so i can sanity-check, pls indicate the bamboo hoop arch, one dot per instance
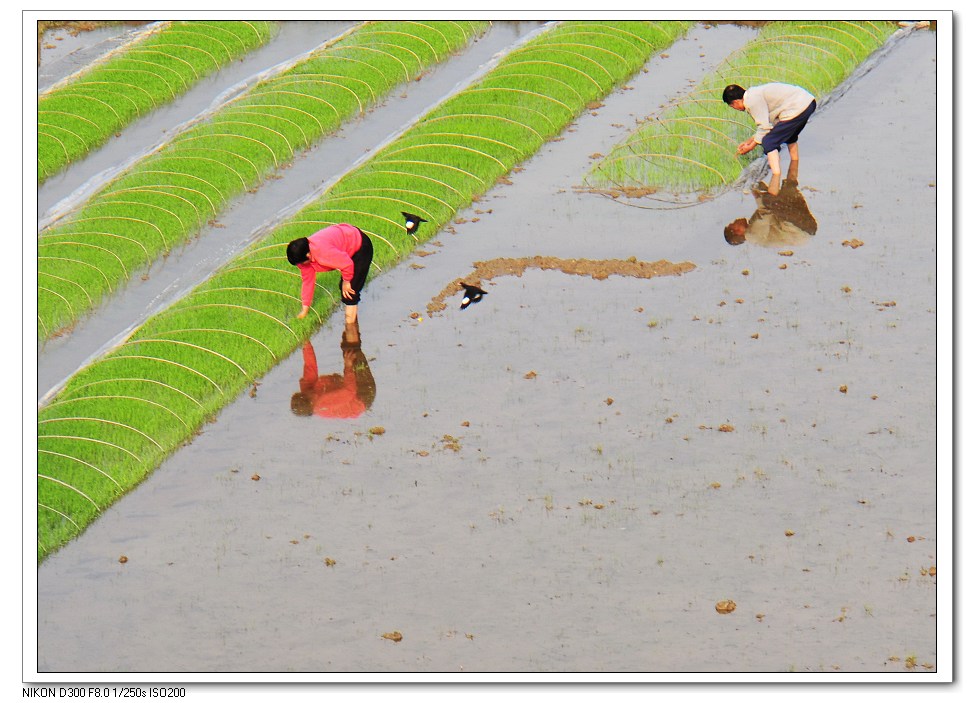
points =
(70, 92)
(83, 462)
(135, 380)
(104, 421)
(125, 270)
(107, 200)
(69, 486)
(240, 307)
(77, 399)
(159, 340)
(539, 76)
(58, 512)
(177, 174)
(76, 261)
(210, 330)
(90, 439)
(98, 218)
(120, 357)
(44, 289)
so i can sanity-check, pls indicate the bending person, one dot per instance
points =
(341, 248)
(780, 112)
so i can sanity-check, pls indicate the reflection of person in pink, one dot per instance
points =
(341, 248)
(344, 395)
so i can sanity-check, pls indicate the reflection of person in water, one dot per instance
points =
(782, 216)
(344, 395)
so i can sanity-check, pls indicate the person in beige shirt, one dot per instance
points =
(780, 111)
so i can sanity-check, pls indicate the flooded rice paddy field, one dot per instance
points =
(572, 473)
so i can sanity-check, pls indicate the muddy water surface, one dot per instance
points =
(571, 474)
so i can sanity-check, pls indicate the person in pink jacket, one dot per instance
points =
(341, 248)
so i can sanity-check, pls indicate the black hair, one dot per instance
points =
(301, 405)
(298, 251)
(733, 92)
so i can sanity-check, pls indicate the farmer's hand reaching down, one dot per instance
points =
(745, 147)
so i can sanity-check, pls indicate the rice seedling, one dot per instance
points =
(81, 114)
(170, 195)
(149, 395)
(690, 146)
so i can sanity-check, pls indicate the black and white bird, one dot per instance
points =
(472, 294)
(412, 222)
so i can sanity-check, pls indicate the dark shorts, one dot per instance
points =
(787, 131)
(361, 261)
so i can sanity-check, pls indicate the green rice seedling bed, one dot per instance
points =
(690, 146)
(116, 420)
(78, 116)
(172, 194)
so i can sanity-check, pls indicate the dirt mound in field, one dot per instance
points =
(598, 269)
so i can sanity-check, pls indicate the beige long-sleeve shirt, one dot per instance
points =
(771, 103)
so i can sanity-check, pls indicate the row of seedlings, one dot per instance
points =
(75, 117)
(117, 419)
(171, 195)
(691, 146)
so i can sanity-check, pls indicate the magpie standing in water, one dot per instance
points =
(472, 294)
(412, 223)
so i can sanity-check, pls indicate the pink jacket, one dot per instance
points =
(331, 249)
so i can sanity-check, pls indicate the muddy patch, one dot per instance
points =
(598, 270)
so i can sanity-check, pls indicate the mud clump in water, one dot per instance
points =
(598, 269)
(725, 606)
(622, 191)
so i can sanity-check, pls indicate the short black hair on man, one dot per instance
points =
(298, 251)
(733, 92)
